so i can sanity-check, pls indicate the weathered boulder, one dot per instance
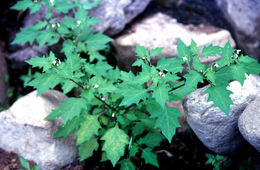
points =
(160, 30)
(249, 123)
(213, 127)
(24, 131)
(3, 73)
(113, 15)
(244, 18)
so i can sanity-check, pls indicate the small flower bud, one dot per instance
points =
(216, 65)
(185, 58)
(53, 25)
(238, 51)
(58, 24)
(113, 115)
(54, 62)
(52, 2)
(78, 23)
(96, 86)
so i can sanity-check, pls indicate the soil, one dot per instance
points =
(184, 152)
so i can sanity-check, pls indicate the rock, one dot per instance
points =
(249, 123)
(3, 73)
(24, 131)
(244, 18)
(214, 128)
(115, 14)
(160, 30)
(25, 53)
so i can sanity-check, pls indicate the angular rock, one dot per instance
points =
(214, 128)
(244, 18)
(160, 30)
(3, 72)
(24, 131)
(249, 123)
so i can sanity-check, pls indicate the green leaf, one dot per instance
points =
(45, 81)
(211, 76)
(238, 73)
(141, 51)
(115, 143)
(155, 52)
(97, 41)
(197, 65)
(253, 68)
(183, 50)
(42, 62)
(227, 51)
(210, 50)
(171, 64)
(126, 164)
(63, 6)
(28, 34)
(132, 95)
(68, 128)
(36, 167)
(192, 79)
(220, 96)
(167, 119)
(160, 94)
(149, 157)
(71, 108)
(246, 59)
(24, 163)
(67, 86)
(152, 139)
(223, 76)
(88, 127)
(47, 36)
(86, 149)
(193, 47)
(133, 151)
(25, 4)
(68, 47)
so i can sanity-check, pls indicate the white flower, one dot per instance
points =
(52, 2)
(184, 58)
(53, 25)
(78, 23)
(54, 62)
(238, 51)
(96, 86)
(103, 98)
(113, 115)
(58, 24)
(216, 65)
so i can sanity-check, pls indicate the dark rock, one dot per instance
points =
(3, 77)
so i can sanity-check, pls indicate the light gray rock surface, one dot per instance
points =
(160, 30)
(249, 123)
(244, 18)
(213, 127)
(24, 131)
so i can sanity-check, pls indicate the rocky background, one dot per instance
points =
(150, 23)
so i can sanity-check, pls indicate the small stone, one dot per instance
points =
(249, 123)
(24, 131)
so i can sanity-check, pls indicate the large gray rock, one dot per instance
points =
(213, 127)
(24, 131)
(160, 30)
(249, 123)
(244, 17)
(113, 15)
(3, 73)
